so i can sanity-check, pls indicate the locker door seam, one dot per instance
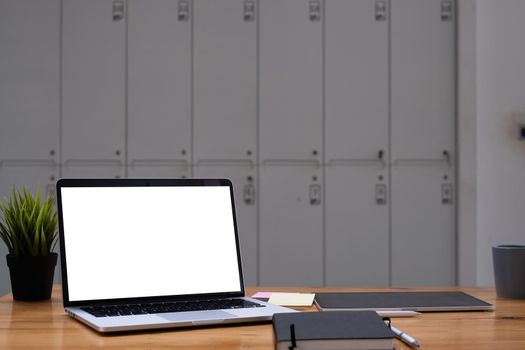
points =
(126, 87)
(389, 140)
(323, 140)
(60, 87)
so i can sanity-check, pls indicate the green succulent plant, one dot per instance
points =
(29, 227)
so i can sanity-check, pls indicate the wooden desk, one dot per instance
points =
(44, 325)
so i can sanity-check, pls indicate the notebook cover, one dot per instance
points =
(418, 301)
(342, 325)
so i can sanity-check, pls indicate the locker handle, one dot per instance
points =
(446, 156)
(380, 10)
(371, 162)
(447, 194)
(160, 162)
(249, 10)
(446, 10)
(93, 162)
(381, 157)
(445, 159)
(183, 11)
(28, 162)
(379, 161)
(420, 161)
(248, 193)
(223, 162)
(315, 194)
(315, 10)
(118, 10)
(380, 194)
(293, 162)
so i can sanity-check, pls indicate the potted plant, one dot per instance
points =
(29, 230)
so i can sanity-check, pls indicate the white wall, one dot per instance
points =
(500, 75)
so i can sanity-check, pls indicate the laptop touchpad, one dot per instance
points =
(196, 316)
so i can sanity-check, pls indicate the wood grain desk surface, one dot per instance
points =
(44, 325)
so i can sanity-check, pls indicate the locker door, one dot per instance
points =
(93, 81)
(244, 188)
(423, 239)
(29, 72)
(291, 79)
(159, 88)
(225, 79)
(423, 78)
(291, 226)
(356, 221)
(356, 139)
(422, 141)
(356, 54)
(33, 175)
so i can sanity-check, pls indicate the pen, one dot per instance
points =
(405, 338)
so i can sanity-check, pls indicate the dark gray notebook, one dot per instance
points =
(416, 301)
(331, 330)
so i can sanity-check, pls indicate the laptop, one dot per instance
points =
(153, 253)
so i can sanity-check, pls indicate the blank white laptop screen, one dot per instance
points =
(126, 242)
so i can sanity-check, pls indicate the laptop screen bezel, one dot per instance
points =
(62, 183)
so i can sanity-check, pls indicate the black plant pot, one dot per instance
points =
(32, 276)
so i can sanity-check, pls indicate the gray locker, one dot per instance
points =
(93, 80)
(291, 225)
(243, 177)
(423, 238)
(159, 86)
(356, 139)
(29, 101)
(356, 80)
(29, 72)
(291, 79)
(422, 142)
(357, 226)
(33, 175)
(225, 79)
(423, 78)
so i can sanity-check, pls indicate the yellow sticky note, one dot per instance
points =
(292, 299)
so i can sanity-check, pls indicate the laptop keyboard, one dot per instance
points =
(179, 306)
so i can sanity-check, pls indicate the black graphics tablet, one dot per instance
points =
(413, 301)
